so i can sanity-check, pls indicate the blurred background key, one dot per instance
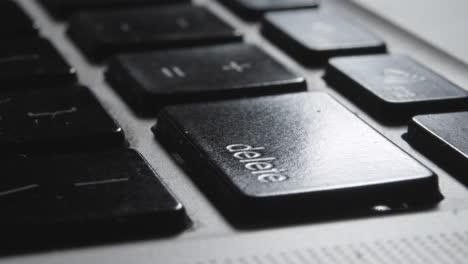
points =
(103, 33)
(63, 8)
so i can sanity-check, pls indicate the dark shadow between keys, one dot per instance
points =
(290, 211)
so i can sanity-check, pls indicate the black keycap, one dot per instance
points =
(393, 87)
(149, 80)
(62, 8)
(14, 23)
(313, 36)
(84, 196)
(100, 34)
(288, 154)
(444, 139)
(32, 63)
(60, 118)
(254, 9)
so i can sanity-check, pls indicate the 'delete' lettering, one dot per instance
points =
(259, 166)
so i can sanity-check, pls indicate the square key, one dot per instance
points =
(288, 155)
(32, 63)
(393, 87)
(443, 138)
(312, 36)
(254, 9)
(149, 80)
(64, 118)
(84, 196)
(103, 33)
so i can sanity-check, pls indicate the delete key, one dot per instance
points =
(298, 154)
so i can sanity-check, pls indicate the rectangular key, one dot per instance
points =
(254, 9)
(14, 23)
(149, 80)
(291, 154)
(103, 33)
(444, 139)
(63, 8)
(32, 63)
(59, 118)
(312, 36)
(110, 195)
(393, 87)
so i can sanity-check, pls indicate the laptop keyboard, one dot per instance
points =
(280, 152)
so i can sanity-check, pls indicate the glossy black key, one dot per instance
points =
(60, 118)
(291, 154)
(444, 139)
(14, 23)
(313, 36)
(150, 80)
(63, 8)
(32, 63)
(254, 9)
(84, 196)
(393, 87)
(100, 34)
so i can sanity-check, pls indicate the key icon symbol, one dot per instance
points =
(235, 66)
(173, 72)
